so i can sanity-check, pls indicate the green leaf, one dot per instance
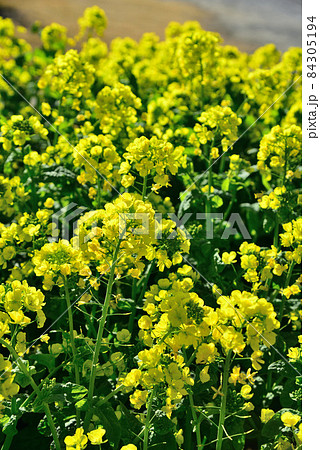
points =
(110, 423)
(185, 204)
(66, 393)
(130, 424)
(234, 429)
(216, 201)
(58, 173)
(44, 359)
(282, 367)
(274, 426)
(77, 391)
(269, 446)
(285, 399)
(161, 423)
(20, 377)
(82, 405)
(278, 366)
(268, 222)
(225, 184)
(9, 427)
(162, 441)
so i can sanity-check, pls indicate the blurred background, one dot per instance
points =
(247, 24)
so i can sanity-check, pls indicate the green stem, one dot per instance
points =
(286, 284)
(222, 162)
(147, 424)
(103, 319)
(285, 163)
(57, 133)
(276, 232)
(188, 431)
(36, 389)
(224, 399)
(196, 422)
(72, 341)
(99, 191)
(208, 200)
(144, 187)
(228, 210)
(201, 82)
(8, 441)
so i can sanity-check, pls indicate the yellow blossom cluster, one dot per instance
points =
(80, 440)
(153, 157)
(131, 222)
(57, 260)
(97, 156)
(68, 74)
(116, 108)
(218, 125)
(13, 193)
(18, 130)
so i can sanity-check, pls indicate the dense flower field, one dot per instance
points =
(165, 311)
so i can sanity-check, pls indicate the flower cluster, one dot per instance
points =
(151, 157)
(68, 74)
(8, 388)
(218, 125)
(18, 130)
(280, 153)
(116, 108)
(54, 37)
(131, 222)
(97, 156)
(57, 260)
(80, 440)
(93, 19)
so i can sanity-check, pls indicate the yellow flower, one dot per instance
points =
(93, 18)
(179, 437)
(248, 406)
(46, 109)
(294, 353)
(145, 323)
(95, 436)
(21, 343)
(129, 447)
(206, 353)
(76, 442)
(133, 378)
(299, 433)
(123, 335)
(204, 376)
(246, 392)
(54, 37)
(257, 360)
(138, 398)
(237, 376)
(266, 414)
(8, 252)
(49, 203)
(217, 392)
(229, 258)
(289, 419)
(45, 338)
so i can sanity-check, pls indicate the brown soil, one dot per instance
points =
(126, 17)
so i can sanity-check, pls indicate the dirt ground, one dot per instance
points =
(126, 17)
